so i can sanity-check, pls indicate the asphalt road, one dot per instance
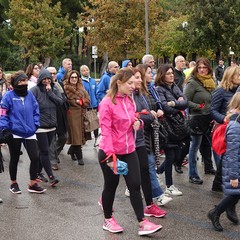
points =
(70, 210)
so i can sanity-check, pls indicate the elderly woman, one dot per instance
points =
(78, 100)
(173, 102)
(199, 94)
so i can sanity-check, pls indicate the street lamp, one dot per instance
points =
(146, 26)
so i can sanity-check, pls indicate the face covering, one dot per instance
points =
(21, 90)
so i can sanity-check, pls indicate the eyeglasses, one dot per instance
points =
(169, 73)
(202, 68)
(74, 77)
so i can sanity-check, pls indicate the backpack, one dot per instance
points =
(219, 144)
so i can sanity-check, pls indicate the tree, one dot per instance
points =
(39, 28)
(214, 25)
(118, 27)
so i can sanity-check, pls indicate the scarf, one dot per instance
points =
(86, 78)
(21, 90)
(207, 82)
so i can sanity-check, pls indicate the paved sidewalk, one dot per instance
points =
(70, 210)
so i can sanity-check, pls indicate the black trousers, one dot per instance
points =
(32, 149)
(111, 181)
(227, 202)
(145, 176)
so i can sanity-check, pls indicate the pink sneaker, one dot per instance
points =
(155, 211)
(100, 204)
(146, 227)
(112, 226)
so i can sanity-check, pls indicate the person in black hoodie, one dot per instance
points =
(48, 98)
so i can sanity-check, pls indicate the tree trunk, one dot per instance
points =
(104, 64)
(46, 62)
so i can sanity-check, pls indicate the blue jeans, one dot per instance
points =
(156, 189)
(192, 156)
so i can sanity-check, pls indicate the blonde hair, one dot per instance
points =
(234, 105)
(228, 76)
(123, 75)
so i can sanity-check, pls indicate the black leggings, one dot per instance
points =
(132, 179)
(32, 149)
(145, 176)
(44, 141)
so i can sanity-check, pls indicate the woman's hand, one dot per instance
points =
(136, 124)
(48, 86)
(180, 99)
(153, 113)
(234, 183)
(171, 104)
(160, 113)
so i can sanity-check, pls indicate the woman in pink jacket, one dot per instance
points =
(118, 124)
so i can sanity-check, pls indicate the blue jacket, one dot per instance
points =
(91, 87)
(103, 85)
(61, 73)
(22, 115)
(220, 101)
(231, 158)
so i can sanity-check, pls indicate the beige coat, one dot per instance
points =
(76, 133)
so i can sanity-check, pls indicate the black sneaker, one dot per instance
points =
(41, 178)
(35, 188)
(53, 181)
(15, 189)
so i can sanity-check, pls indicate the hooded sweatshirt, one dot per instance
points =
(47, 100)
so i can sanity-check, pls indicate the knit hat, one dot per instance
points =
(18, 78)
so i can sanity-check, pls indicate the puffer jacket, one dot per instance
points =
(231, 158)
(116, 123)
(169, 93)
(146, 118)
(220, 101)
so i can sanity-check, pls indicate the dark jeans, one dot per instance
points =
(145, 176)
(206, 152)
(228, 201)
(172, 154)
(32, 150)
(44, 141)
(132, 179)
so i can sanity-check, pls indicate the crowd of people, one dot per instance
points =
(44, 110)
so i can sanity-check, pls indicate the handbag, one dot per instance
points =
(200, 124)
(91, 120)
(176, 127)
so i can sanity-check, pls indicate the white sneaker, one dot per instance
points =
(172, 190)
(163, 199)
(127, 193)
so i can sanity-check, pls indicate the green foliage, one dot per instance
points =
(214, 25)
(38, 28)
(118, 27)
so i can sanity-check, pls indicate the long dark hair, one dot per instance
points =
(161, 73)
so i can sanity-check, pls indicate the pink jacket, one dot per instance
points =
(116, 123)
